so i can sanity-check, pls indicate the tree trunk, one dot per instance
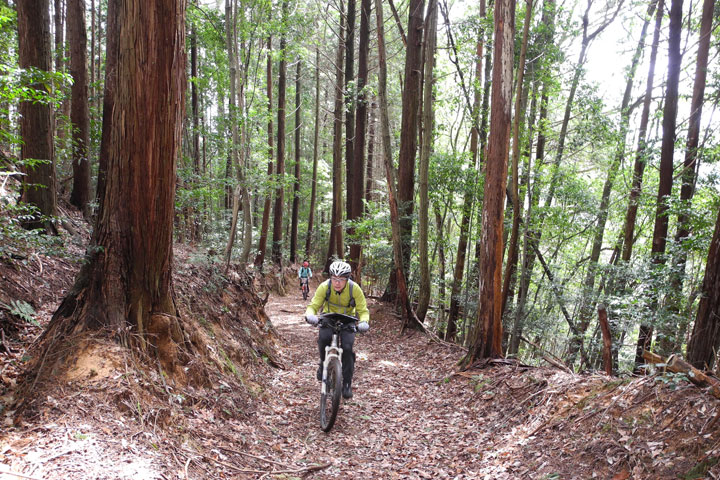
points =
(36, 127)
(80, 111)
(195, 219)
(487, 338)
(241, 191)
(410, 318)
(335, 245)
(672, 337)
(705, 339)
(440, 226)
(358, 164)
(92, 91)
(262, 242)
(296, 184)
(428, 119)
(316, 138)
(349, 109)
(666, 166)
(125, 288)
(280, 168)
(60, 123)
(512, 255)
(409, 127)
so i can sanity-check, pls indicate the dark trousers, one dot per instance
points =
(347, 340)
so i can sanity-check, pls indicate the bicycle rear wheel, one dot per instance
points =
(330, 398)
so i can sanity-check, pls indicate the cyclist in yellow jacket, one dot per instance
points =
(339, 295)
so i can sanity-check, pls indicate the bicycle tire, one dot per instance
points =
(305, 293)
(330, 400)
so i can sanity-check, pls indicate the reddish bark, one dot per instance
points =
(36, 125)
(487, 339)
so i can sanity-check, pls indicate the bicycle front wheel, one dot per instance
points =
(330, 396)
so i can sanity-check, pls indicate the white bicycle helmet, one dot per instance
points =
(340, 269)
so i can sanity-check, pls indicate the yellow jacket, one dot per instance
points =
(339, 302)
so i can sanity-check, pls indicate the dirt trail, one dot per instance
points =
(405, 419)
(411, 417)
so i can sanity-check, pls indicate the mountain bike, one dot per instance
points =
(305, 287)
(332, 379)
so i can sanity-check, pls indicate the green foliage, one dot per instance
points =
(33, 85)
(22, 310)
(15, 241)
(673, 380)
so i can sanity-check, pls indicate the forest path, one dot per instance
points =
(406, 418)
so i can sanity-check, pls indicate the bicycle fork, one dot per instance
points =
(331, 351)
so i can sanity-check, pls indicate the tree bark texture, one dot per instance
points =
(316, 140)
(402, 294)
(672, 338)
(409, 126)
(296, 184)
(335, 245)
(607, 340)
(428, 119)
(487, 338)
(349, 107)
(705, 339)
(361, 123)
(79, 109)
(126, 285)
(280, 167)
(660, 230)
(36, 122)
(512, 255)
(262, 242)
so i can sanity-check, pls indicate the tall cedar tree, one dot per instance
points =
(487, 338)
(675, 334)
(428, 118)
(316, 138)
(409, 127)
(280, 167)
(402, 293)
(79, 108)
(705, 338)
(262, 242)
(349, 106)
(36, 128)
(659, 240)
(357, 179)
(125, 287)
(469, 195)
(296, 183)
(335, 244)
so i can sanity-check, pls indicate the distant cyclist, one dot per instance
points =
(305, 272)
(339, 295)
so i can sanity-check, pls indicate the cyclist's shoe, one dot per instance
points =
(347, 391)
(319, 373)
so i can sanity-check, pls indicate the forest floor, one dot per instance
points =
(413, 414)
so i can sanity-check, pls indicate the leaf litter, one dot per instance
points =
(413, 414)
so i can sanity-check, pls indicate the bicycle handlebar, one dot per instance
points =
(337, 321)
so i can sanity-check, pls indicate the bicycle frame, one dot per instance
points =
(332, 377)
(334, 350)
